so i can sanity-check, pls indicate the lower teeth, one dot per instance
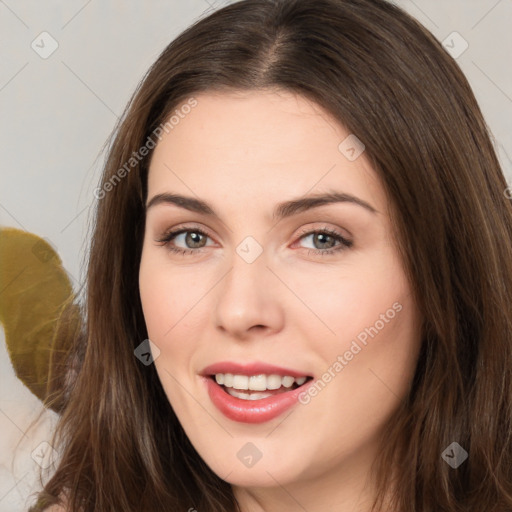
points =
(247, 396)
(253, 395)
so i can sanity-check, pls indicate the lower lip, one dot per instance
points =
(252, 411)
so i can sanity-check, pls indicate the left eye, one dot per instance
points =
(334, 240)
(196, 238)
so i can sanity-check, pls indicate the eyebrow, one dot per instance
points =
(282, 210)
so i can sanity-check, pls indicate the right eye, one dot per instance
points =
(193, 235)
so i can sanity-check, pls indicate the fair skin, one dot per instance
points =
(245, 153)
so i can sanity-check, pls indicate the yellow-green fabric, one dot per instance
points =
(34, 288)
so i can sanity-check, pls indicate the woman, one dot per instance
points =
(372, 373)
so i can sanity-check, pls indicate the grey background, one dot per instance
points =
(57, 113)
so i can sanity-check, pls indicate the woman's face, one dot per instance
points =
(260, 297)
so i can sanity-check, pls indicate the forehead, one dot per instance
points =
(258, 144)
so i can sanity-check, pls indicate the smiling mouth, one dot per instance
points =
(257, 387)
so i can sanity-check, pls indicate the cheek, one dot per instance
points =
(167, 294)
(349, 300)
(157, 303)
(167, 297)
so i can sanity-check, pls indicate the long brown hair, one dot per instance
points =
(391, 83)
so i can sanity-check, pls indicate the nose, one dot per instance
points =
(249, 299)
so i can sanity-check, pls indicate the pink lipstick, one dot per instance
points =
(254, 392)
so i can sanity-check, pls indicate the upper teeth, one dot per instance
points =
(257, 382)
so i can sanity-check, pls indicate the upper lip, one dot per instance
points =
(252, 368)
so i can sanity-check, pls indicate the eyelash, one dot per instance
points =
(170, 235)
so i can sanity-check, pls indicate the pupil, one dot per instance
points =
(322, 236)
(195, 237)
